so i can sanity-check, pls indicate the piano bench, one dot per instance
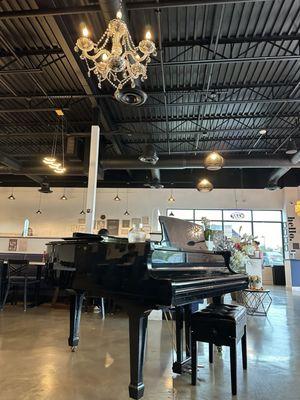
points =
(220, 325)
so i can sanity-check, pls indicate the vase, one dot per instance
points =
(209, 244)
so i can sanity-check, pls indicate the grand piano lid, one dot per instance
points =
(182, 234)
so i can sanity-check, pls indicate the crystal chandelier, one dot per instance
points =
(115, 58)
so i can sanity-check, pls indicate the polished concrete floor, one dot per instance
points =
(36, 364)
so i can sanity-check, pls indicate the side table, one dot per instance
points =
(257, 301)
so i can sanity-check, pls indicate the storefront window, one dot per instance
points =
(266, 225)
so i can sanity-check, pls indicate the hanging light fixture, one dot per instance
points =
(204, 186)
(11, 196)
(117, 198)
(51, 161)
(123, 62)
(39, 207)
(64, 197)
(126, 211)
(149, 155)
(82, 212)
(171, 214)
(171, 199)
(291, 147)
(213, 161)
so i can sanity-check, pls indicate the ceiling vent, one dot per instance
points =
(45, 188)
(149, 155)
(131, 96)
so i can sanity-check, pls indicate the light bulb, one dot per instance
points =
(148, 35)
(262, 131)
(49, 160)
(85, 32)
(119, 14)
(104, 57)
(60, 170)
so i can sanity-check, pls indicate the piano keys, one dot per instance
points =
(141, 277)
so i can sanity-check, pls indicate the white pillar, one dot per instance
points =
(92, 182)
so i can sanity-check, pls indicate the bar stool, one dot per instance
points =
(220, 325)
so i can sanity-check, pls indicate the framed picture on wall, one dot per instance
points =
(125, 223)
(113, 226)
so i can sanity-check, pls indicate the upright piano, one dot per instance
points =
(141, 277)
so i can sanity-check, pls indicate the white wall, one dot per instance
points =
(59, 216)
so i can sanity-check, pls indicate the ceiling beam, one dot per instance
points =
(21, 71)
(30, 52)
(29, 110)
(152, 5)
(231, 40)
(45, 12)
(235, 60)
(221, 102)
(208, 118)
(14, 166)
(170, 90)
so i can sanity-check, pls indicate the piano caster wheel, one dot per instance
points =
(73, 349)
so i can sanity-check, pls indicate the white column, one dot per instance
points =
(92, 181)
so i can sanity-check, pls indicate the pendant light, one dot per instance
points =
(171, 214)
(39, 207)
(213, 161)
(64, 197)
(126, 213)
(204, 186)
(291, 147)
(117, 198)
(171, 199)
(51, 161)
(82, 212)
(11, 196)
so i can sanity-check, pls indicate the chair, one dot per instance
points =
(19, 274)
(220, 325)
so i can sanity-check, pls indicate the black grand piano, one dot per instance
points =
(176, 272)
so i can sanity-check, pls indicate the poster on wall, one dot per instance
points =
(12, 244)
(22, 245)
(136, 221)
(100, 224)
(113, 227)
(145, 220)
(125, 223)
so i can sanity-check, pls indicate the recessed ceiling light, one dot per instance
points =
(262, 131)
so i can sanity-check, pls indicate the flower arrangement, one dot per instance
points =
(241, 249)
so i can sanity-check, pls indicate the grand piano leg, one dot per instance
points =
(138, 321)
(75, 314)
(179, 315)
(187, 323)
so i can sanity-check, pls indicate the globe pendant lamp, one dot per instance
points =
(204, 186)
(213, 161)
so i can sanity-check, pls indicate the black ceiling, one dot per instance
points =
(229, 69)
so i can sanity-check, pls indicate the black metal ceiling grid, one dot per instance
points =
(217, 104)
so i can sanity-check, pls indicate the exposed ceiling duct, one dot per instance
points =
(279, 173)
(196, 163)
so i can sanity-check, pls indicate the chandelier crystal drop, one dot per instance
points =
(115, 58)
